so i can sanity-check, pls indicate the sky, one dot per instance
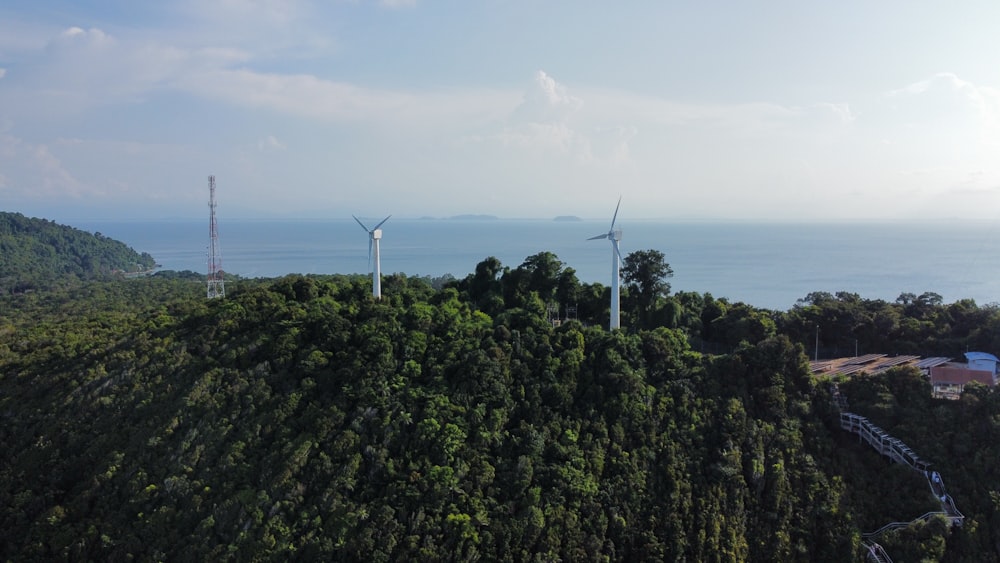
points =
(778, 110)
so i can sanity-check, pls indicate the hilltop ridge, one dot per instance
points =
(39, 253)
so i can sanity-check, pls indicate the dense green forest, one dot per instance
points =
(299, 418)
(37, 253)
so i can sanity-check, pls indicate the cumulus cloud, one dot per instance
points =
(92, 35)
(547, 101)
(552, 121)
(617, 128)
(554, 137)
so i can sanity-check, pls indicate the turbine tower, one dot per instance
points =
(216, 284)
(374, 235)
(615, 236)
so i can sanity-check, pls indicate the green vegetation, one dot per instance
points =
(300, 419)
(36, 253)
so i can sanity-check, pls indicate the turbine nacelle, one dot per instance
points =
(373, 230)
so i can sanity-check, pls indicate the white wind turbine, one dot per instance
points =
(374, 235)
(614, 235)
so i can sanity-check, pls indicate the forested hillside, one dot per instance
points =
(300, 418)
(37, 253)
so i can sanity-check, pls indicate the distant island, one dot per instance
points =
(567, 218)
(473, 217)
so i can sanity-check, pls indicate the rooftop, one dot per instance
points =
(873, 363)
(949, 375)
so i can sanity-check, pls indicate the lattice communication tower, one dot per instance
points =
(216, 284)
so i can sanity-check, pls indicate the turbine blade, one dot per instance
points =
(360, 223)
(618, 251)
(598, 237)
(380, 223)
(369, 253)
(616, 213)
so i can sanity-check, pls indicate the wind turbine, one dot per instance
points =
(374, 235)
(614, 235)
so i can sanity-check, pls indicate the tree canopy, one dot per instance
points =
(37, 253)
(646, 272)
(299, 418)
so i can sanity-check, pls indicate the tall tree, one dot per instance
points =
(645, 273)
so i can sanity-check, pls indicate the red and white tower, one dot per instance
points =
(216, 284)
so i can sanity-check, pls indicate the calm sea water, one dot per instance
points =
(766, 265)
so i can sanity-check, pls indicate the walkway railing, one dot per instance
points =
(897, 525)
(897, 451)
(874, 552)
(877, 438)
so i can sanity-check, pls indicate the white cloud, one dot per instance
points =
(305, 95)
(837, 112)
(547, 101)
(116, 175)
(277, 30)
(80, 69)
(255, 61)
(944, 96)
(93, 35)
(39, 173)
(270, 143)
(550, 121)
(555, 137)
(943, 123)
(302, 95)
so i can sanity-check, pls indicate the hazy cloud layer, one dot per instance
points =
(298, 113)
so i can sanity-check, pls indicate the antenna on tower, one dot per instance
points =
(216, 284)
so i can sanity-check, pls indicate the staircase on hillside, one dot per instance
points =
(897, 451)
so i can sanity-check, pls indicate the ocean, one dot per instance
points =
(766, 265)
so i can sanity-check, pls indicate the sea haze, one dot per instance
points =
(765, 265)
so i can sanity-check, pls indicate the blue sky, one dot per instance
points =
(779, 110)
